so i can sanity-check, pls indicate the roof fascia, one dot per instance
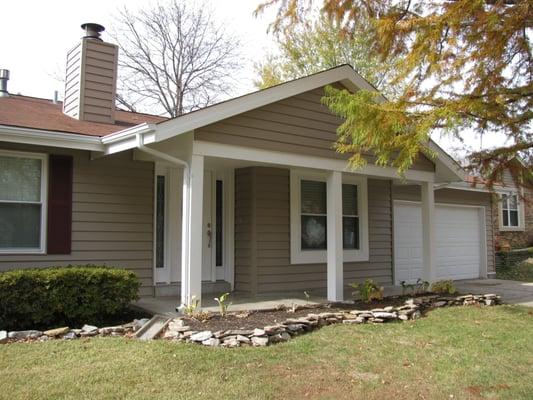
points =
(41, 137)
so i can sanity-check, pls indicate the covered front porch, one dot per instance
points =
(270, 226)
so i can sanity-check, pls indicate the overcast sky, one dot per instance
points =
(35, 36)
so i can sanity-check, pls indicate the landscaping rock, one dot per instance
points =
(211, 342)
(22, 335)
(69, 336)
(201, 336)
(231, 342)
(243, 339)
(88, 333)
(243, 332)
(57, 332)
(384, 315)
(89, 328)
(259, 332)
(3, 337)
(111, 329)
(440, 304)
(139, 323)
(259, 341)
(416, 315)
(403, 317)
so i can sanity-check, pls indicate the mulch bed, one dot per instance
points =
(252, 319)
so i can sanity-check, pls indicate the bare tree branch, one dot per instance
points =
(174, 58)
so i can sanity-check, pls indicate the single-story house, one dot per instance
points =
(245, 195)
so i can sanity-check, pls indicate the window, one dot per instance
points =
(350, 217)
(219, 214)
(511, 211)
(313, 215)
(22, 202)
(309, 218)
(160, 222)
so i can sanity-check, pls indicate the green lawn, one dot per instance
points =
(459, 353)
(520, 272)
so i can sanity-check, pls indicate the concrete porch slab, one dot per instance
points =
(512, 292)
(240, 302)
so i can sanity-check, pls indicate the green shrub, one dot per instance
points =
(368, 290)
(73, 295)
(443, 287)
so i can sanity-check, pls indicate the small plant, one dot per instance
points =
(443, 287)
(407, 288)
(223, 303)
(414, 288)
(189, 309)
(421, 286)
(307, 296)
(368, 290)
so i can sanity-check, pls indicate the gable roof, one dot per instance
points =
(43, 114)
(47, 118)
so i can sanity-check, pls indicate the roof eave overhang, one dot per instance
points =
(42, 137)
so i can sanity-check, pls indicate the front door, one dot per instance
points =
(213, 223)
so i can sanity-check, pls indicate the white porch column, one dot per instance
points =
(193, 196)
(428, 231)
(334, 233)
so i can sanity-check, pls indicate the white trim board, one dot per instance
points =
(210, 149)
(40, 137)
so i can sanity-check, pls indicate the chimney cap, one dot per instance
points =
(92, 30)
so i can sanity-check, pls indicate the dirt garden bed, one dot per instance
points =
(261, 328)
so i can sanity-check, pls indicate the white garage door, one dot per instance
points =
(458, 242)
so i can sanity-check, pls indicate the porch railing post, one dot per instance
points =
(191, 272)
(335, 278)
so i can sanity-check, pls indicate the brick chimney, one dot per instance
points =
(91, 78)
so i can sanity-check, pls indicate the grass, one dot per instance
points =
(520, 272)
(459, 353)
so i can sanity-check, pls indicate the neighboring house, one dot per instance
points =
(245, 195)
(513, 214)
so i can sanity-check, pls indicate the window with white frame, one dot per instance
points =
(22, 202)
(309, 218)
(510, 211)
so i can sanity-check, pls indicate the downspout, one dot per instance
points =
(185, 226)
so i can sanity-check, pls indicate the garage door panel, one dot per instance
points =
(458, 242)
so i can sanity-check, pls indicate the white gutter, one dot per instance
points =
(41, 137)
(186, 220)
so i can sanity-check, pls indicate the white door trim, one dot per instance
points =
(482, 227)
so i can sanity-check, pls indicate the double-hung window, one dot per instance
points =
(22, 202)
(309, 218)
(511, 212)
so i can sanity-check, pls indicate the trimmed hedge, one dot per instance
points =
(57, 296)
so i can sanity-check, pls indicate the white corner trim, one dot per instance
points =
(299, 256)
(43, 202)
(49, 138)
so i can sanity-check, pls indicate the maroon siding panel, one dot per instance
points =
(59, 205)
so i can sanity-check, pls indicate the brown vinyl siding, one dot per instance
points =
(299, 124)
(459, 197)
(112, 215)
(90, 84)
(270, 201)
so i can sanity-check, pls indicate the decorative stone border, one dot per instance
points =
(411, 310)
(68, 334)
(178, 331)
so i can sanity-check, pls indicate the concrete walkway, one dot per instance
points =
(512, 292)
